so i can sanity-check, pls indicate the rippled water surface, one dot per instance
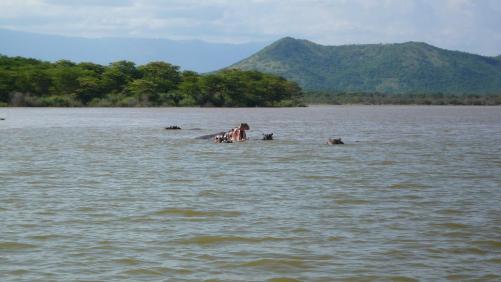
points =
(109, 195)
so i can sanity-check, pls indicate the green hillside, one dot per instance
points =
(411, 67)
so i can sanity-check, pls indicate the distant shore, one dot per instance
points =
(302, 106)
(34, 83)
(402, 99)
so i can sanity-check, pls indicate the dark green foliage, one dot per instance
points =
(29, 82)
(405, 68)
(341, 98)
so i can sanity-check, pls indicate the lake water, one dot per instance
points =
(109, 195)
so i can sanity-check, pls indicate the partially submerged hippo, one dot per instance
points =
(236, 134)
(210, 136)
(268, 136)
(334, 141)
(222, 138)
(173, 127)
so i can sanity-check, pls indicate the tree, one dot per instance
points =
(117, 75)
(144, 91)
(36, 81)
(212, 90)
(89, 89)
(7, 79)
(95, 69)
(65, 78)
(165, 76)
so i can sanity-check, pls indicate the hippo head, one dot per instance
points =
(334, 141)
(244, 126)
(268, 136)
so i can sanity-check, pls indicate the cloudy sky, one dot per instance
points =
(468, 25)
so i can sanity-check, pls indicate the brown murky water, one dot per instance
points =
(108, 195)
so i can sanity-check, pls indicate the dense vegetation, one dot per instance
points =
(385, 68)
(30, 82)
(341, 98)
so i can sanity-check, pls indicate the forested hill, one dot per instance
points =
(30, 82)
(411, 67)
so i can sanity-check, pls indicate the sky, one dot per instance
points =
(467, 25)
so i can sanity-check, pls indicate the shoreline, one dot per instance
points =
(306, 106)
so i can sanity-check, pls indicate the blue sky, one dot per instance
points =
(468, 25)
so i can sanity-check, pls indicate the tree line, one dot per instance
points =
(31, 82)
(362, 98)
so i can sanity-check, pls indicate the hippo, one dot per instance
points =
(210, 136)
(334, 141)
(233, 135)
(222, 138)
(268, 136)
(173, 127)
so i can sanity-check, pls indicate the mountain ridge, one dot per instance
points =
(194, 55)
(407, 67)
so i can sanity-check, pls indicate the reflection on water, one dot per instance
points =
(108, 194)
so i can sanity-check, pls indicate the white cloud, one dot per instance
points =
(470, 25)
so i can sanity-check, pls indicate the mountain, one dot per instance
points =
(390, 68)
(193, 55)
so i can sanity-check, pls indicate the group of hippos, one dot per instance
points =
(238, 134)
